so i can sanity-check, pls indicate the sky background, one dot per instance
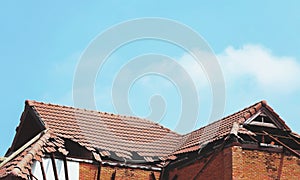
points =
(256, 43)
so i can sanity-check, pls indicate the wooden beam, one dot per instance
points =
(66, 168)
(262, 124)
(113, 175)
(294, 139)
(280, 166)
(54, 166)
(279, 136)
(43, 170)
(152, 176)
(252, 138)
(99, 171)
(33, 177)
(281, 143)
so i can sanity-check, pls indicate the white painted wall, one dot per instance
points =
(73, 169)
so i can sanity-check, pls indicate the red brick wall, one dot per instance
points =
(253, 164)
(231, 163)
(218, 168)
(237, 163)
(89, 172)
(126, 173)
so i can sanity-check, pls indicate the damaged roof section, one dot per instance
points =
(130, 141)
(18, 164)
(119, 137)
(219, 129)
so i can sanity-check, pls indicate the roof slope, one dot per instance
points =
(128, 137)
(218, 129)
(133, 139)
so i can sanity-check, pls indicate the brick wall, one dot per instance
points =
(126, 173)
(218, 168)
(254, 164)
(89, 172)
(231, 163)
(237, 163)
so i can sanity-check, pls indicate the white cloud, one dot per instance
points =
(253, 63)
(194, 70)
(269, 72)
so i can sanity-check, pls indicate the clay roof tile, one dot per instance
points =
(218, 129)
(119, 136)
(93, 129)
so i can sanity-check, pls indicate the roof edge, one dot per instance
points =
(26, 145)
(32, 103)
(256, 105)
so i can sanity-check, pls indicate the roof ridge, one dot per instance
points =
(262, 102)
(33, 102)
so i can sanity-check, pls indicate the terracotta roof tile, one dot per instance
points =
(109, 135)
(97, 156)
(218, 129)
(20, 165)
(115, 133)
(95, 130)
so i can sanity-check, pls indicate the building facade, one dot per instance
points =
(60, 142)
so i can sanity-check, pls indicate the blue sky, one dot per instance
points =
(257, 44)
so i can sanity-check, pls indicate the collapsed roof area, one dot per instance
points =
(48, 130)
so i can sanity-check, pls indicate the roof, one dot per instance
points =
(195, 140)
(128, 137)
(114, 136)
(19, 165)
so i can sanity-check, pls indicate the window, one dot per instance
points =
(73, 169)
